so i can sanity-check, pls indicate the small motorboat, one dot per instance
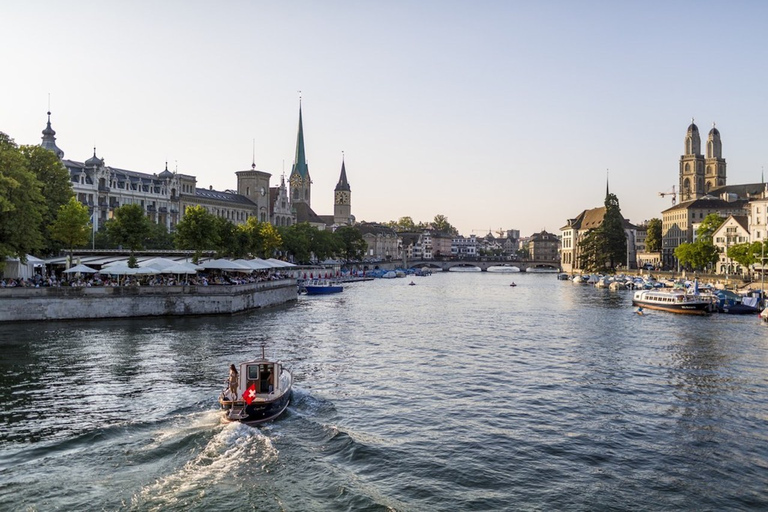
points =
(513, 284)
(411, 284)
(264, 390)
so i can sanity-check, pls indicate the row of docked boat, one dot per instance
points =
(684, 297)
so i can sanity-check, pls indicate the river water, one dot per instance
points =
(459, 393)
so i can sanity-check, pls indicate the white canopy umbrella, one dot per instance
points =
(181, 268)
(280, 263)
(118, 269)
(146, 271)
(260, 264)
(82, 269)
(222, 264)
(158, 263)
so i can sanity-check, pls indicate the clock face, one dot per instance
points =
(339, 197)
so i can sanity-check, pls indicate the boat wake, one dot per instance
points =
(220, 461)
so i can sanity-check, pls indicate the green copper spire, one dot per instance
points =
(300, 167)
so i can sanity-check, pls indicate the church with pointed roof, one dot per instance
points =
(301, 190)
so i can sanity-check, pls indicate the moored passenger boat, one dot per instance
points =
(674, 301)
(263, 392)
(322, 287)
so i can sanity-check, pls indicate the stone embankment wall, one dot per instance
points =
(24, 304)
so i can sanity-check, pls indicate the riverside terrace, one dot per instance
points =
(90, 302)
(158, 287)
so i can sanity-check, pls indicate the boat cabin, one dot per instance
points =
(262, 376)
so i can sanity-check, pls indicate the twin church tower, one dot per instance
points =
(699, 174)
(301, 189)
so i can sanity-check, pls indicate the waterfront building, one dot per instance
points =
(164, 196)
(383, 241)
(442, 244)
(464, 247)
(511, 243)
(574, 231)
(544, 246)
(733, 231)
(703, 190)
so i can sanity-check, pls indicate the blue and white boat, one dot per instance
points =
(322, 287)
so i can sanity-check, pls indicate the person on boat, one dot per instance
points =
(639, 310)
(266, 381)
(232, 381)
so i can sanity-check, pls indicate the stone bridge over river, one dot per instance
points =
(523, 265)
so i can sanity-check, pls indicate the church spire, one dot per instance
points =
(300, 162)
(343, 184)
(299, 179)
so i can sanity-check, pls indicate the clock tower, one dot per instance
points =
(342, 200)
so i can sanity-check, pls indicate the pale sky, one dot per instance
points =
(496, 114)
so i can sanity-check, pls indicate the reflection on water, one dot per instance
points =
(458, 393)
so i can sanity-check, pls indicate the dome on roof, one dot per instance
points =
(94, 161)
(714, 132)
(165, 174)
(693, 128)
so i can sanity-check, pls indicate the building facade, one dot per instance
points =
(544, 246)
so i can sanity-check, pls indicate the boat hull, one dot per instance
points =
(323, 290)
(258, 411)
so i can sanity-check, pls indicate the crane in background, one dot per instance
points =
(668, 193)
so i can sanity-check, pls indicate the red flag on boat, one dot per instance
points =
(250, 394)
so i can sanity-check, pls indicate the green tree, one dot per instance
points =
(22, 205)
(56, 188)
(196, 231)
(352, 245)
(72, 225)
(325, 245)
(440, 223)
(590, 252)
(708, 226)
(614, 238)
(747, 254)
(653, 237)
(129, 228)
(602, 248)
(297, 241)
(403, 224)
(270, 240)
(229, 243)
(697, 255)
(159, 238)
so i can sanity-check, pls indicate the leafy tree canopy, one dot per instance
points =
(708, 226)
(196, 231)
(22, 206)
(653, 237)
(130, 227)
(55, 188)
(72, 225)
(697, 255)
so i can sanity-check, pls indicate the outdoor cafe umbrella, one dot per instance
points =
(118, 269)
(223, 264)
(180, 268)
(82, 269)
